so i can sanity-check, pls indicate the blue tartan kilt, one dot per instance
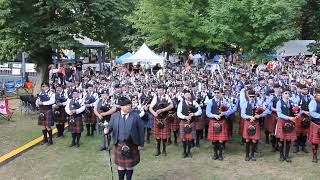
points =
(149, 123)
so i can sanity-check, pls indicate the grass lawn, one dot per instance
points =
(61, 162)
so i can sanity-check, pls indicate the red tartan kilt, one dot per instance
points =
(313, 133)
(299, 128)
(241, 123)
(280, 134)
(199, 123)
(48, 120)
(175, 124)
(245, 130)
(270, 122)
(223, 135)
(90, 118)
(162, 133)
(76, 126)
(62, 116)
(126, 161)
(186, 136)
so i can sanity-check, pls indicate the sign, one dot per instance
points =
(16, 71)
(15, 65)
(30, 67)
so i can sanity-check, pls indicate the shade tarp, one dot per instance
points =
(294, 47)
(88, 43)
(145, 56)
(122, 57)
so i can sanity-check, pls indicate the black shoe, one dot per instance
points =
(78, 145)
(185, 155)
(189, 155)
(103, 149)
(252, 158)
(303, 149)
(44, 141)
(220, 158)
(169, 142)
(50, 142)
(288, 160)
(157, 153)
(314, 159)
(296, 150)
(247, 158)
(215, 157)
(72, 144)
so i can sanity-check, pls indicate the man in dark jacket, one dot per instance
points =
(127, 131)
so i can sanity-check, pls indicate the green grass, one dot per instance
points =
(61, 162)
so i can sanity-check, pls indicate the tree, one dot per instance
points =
(38, 26)
(170, 25)
(257, 26)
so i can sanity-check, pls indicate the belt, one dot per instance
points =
(48, 107)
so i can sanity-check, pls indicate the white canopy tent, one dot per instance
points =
(145, 56)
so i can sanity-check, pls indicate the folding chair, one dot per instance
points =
(5, 112)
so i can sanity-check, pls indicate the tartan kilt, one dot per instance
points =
(223, 135)
(313, 133)
(175, 124)
(246, 125)
(90, 118)
(299, 128)
(62, 116)
(187, 136)
(48, 120)
(270, 122)
(126, 161)
(281, 135)
(199, 123)
(160, 133)
(241, 124)
(76, 126)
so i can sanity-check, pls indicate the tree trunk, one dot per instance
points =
(43, 60)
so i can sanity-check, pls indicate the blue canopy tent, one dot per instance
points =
(122, 57)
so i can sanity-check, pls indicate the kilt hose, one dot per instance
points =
(246, 125)
(314, 133)
(129, 160)
(62, 117)
(161, 133)
(90, 118)
(175, 125)
(270, 122)
(183, 134)
(281, 135)
(299, 129)
(76, 124)
(46, 117)
(215, 136)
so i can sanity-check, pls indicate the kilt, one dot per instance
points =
(76, 126)
(149, 122)
(313, 133)
(246, 125)
(61, 118)
(241, 123)
(175, 124)
(223, 135)
(199, 123)
(90, 118)
(187, 136)
(270, 122)
(299, 128)
(128, 161)
(281, 135)
(160, 133)
(48, 120)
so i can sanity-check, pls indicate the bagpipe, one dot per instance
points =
(145, 102)
(89, 100)
(58, 107)
(257, 110)
(73, 106)
(217, 127)
(188, 127)
(161, 116)
(305, 123)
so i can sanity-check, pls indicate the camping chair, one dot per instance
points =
(5, 112)
(9, 87)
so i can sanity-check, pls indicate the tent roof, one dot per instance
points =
(89, 43)
(294, 47)
(144, 55)
(124, 56)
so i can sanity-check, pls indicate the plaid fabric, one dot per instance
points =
(76, 126)
(313, 133)
(199, 123)
(47, 121)
(299, 128)
(160, 133)
(280, 134)
(223, 135)
(270, 122)
(62, 116)
(90, 118)
(175, 125)
(246, 125)
(187, 136)
(241, 123)
(129, 161)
